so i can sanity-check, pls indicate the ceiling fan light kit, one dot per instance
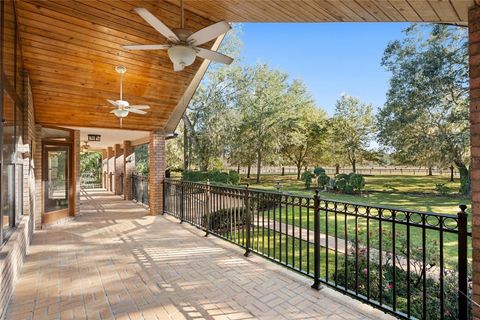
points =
(120, 113)
(121, 107)
(182, 56)
(183, 45)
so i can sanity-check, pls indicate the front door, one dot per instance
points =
(56, 178)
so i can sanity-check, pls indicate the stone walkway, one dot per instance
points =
(116, 262)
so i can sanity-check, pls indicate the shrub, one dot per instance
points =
(234, 177)
(212, 176)
(357, 181)
(323, 180)
(318, 171)
(442, 189)
(341, 180)
(349, 183)
(307, 178)
(226, 220)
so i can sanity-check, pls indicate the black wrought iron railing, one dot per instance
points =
(407, 263)
(140, 191)
(91, 180)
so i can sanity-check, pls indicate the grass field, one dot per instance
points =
(409, 192)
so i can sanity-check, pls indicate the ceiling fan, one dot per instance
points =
(85, 147)
(121, 107)
(183, 44)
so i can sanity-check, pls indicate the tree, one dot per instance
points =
(207, 120)
(91, 162)
(264, 111)
(142, 160)
(352, 128)
(306, 129)
(425, 118)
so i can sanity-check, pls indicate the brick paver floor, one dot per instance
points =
(116, 262)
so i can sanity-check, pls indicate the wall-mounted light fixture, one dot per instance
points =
(94, 137)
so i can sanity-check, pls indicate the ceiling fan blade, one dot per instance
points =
(177, 67)
(132, 110)
(146, 47)
(213, 56)
(140, 106)
(112, 102)
(209, 33)
(112, 111)
(157, 24)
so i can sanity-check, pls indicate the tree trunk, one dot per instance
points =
(451, 173)
(354, 165)
(430, 173)
(259, 165)
(238, 169)
(248, 170)
(337, 168)
(283, 171)
(464, 177)
(185, 147)
(299, 171)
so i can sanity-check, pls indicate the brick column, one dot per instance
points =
(76, 173)
(474, 61)
(109, 168)
(118, 168)
(157, 170)
(128, 165)
(104, 169)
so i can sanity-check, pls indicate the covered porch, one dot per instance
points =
(107, 257)
(117, 262)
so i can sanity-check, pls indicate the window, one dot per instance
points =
(12, 124)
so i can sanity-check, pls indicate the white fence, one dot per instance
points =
(398, 170)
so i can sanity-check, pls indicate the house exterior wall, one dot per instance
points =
(14, 250)
(474, 61)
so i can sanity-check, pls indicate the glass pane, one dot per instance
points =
(56, 184)
(8, 181)
(19, 193)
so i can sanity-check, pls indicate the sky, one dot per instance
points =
(331, 58)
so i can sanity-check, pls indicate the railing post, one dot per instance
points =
(207, 209)
(182, 199)
(164, 196)
(462, 262)
(247, 222)
(316, 239)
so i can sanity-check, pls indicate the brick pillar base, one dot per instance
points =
(474, 51)
(157, 170)
(128, 165)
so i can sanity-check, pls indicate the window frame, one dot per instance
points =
(19, 103)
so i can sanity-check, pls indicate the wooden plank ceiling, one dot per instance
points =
(70, 48)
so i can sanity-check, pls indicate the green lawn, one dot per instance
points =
(408, 195)
(404, 198)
